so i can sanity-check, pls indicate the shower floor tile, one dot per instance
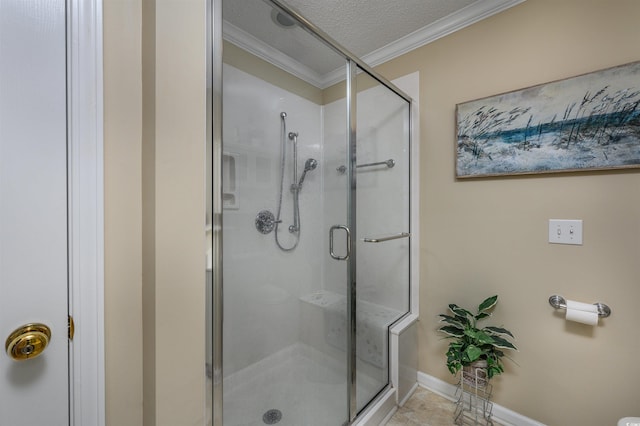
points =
(306, 391)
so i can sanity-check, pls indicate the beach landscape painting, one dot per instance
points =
(588, 122)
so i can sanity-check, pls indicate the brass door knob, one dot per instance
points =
(28, 341)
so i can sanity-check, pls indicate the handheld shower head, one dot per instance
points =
(309, 165)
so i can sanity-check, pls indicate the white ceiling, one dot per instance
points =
(367, 25)
(374, 30)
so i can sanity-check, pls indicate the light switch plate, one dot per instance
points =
(563, 231)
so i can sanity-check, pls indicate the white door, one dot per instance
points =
(33, 208)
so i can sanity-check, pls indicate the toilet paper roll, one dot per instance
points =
(583, 317)
(579, 306)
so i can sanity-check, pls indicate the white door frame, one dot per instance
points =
(86, 211)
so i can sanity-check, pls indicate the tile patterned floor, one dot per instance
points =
(424, 408)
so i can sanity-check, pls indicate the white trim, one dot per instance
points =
(411, 85)
(501, 415)
(399, 327)
(333, 77)
(469, 15)
(86, 217)
(394, 351)
(262, 50)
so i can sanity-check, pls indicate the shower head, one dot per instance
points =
(309, 165)
(282, 19)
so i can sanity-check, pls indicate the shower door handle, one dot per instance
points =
(331, 253)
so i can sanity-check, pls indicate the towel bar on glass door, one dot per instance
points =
(559, 302)
(389, 163)
(389, 238)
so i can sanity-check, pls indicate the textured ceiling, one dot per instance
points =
(363, 27)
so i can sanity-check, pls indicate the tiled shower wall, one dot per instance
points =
(262, 283)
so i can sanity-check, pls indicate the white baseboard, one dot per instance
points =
(501, 415)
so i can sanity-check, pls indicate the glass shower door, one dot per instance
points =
(284, 337)
(383, 229)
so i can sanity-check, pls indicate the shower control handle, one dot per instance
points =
(331, 253)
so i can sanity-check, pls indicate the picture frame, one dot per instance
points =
(587, 122)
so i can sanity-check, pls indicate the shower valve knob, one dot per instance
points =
(265, 221)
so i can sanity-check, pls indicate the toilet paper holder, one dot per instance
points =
(559, 302)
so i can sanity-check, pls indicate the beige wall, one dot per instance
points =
(180, 212)
(489, 236)
(154, 72)
(479, 237)
(149, 211)
(123, 209)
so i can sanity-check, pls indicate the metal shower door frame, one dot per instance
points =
(214, 135)
(352, 120)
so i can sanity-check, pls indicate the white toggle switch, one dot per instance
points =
(562, 231)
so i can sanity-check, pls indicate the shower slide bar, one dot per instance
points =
(389, 163)
(389, 238)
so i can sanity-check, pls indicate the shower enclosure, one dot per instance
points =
(310, 221)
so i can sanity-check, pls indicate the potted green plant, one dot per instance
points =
(477, 350)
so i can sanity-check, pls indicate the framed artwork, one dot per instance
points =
(588, 122)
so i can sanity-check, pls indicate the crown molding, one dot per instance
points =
(469, 15)
(262, 50)
(465, 17)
